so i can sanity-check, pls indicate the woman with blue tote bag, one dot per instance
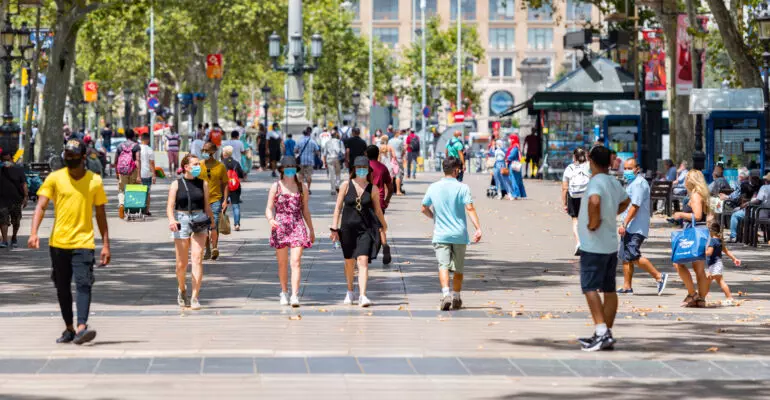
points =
(686, 244)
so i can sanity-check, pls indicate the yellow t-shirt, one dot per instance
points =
(74, 202)
(217, 180)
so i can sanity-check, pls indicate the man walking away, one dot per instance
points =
(13, 197)
(306, 151)
(354, 147)
(455, 148)
(334, 154)
(399, 148)
(381, 178)
(413, 151)
(274, 147)
(289, 145)
(450, 201)
(147, 168)
(126, 160)
(603, 201)
(172, 149)
(237, 145)
(635, 228)
(107, 137)
(75, 193)
(345, 133)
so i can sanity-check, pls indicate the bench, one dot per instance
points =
(661, 191)
(42, 169)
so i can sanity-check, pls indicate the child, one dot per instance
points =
(714, 256)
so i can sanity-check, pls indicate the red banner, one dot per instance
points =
(214, 66)
(683, 56)
(90, 91)
(655, 67)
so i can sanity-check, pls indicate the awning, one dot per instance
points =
(704, 101)
(514, 109)
(573, 101)
(603, 108)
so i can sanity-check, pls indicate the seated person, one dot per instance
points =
(750, 195)
(720, 184)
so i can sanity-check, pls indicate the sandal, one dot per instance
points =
(700, 302)
(688, 301)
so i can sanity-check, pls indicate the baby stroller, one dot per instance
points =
(492, 189)
(136, 202)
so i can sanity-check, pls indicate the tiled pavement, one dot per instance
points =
(516, 337)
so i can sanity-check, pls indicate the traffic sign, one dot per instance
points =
(459, 116)
(153, 88)
(426, 112)
(153, 102)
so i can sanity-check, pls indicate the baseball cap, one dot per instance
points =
(75, 146)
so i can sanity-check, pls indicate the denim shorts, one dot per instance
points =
(184, 219)
(597, 272)
(147, 182)
(632, 247)
(216, 209)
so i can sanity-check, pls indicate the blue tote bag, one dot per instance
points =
(689, 244)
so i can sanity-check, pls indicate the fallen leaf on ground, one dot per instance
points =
(323, 251)
(295, 317)
(493, 323)
(713, 349)
(722, 330)
(569, 294)
(546, 316)
(679, 319)
(323, 310)
(400, 308)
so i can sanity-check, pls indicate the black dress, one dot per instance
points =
(262, 149)
(359, 234)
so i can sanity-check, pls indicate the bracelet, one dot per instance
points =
(334, 230)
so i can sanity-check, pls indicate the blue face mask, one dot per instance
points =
(195, 171)
(629, 175)
(289, 172)
(362, 172)
(205, 156)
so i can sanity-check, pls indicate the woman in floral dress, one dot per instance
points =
(291, 225)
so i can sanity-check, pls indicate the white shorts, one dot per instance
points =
(716, 268)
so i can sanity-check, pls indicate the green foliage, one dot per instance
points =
(441, 64)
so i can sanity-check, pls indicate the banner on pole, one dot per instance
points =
(683, 56)
(214, 66)
(90, 91)
(655, 67)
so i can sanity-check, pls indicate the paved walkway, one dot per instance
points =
(516, 336)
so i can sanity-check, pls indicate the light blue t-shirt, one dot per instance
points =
(449, 198)
(604, 240)
(639, 192)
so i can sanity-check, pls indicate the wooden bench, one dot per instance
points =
(661, 191)
(42, 169)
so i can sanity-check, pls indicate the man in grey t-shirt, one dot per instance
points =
(397, 143)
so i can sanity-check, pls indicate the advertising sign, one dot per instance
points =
(655, 67)
(683, 56)
(90, 91)
(214, 66)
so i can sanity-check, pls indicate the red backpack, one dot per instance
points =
(233, 182)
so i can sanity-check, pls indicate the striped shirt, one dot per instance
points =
(306, 151)
(172, 142)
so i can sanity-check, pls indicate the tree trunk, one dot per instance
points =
(62, 58)
(214, 97)
(747, 69)
(669, 24)
(32, 85)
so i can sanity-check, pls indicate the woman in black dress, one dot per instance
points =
(358, 203)
(262, 146)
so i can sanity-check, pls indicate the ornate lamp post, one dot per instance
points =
(356, 103)
(126, 109)
(234, 102)
(110, 101)
(763, 20)
(391, 103)
(8, 36)
(699, 45)
(266, 100)
(297, 64)
(83, 105)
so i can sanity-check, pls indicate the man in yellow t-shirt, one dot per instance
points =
(215, 174)
(75, 193)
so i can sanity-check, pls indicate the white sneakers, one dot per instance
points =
(363, 301)
(284, 299)
(294, 301)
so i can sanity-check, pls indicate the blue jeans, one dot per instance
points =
(503, 183)
(236, 213)
(216, 209)
(411, 165)
(735, 219)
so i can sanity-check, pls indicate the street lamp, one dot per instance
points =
(698, 40)
(83, 105)
(297, 50)
(356, 103)
(391, 103)
(234, 102)
(8, 36)
(126, 109)
(110, 100)
(266, 100)
(763, 20)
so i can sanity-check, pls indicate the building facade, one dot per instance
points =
(515, 40)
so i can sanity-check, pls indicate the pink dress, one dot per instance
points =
(291, 231)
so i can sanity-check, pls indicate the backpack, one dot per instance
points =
(233, 182)
(579, 182)
(126, 163)
(451, 152)
(414, 144)
(93, 164)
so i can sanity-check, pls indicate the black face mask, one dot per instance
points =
(73, 163)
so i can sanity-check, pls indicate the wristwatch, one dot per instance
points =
(334, 229)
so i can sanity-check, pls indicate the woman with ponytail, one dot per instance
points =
(291, 227)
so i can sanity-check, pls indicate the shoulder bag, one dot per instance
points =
(198, 223)
(689, 244)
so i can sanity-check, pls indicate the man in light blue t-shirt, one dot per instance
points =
(446, 202)
(603, 200)
(634, 229)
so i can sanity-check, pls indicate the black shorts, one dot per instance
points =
(573, 206)
(534, 158)
(632, 246)
(597, 272)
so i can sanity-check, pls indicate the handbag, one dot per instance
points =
(198, 223)
(689, 244)
(516, 165)
(224, 223)
(504, 171)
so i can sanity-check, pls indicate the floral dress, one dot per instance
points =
(291, 231)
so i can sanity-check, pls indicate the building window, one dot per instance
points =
(468, 9)
(578, 11)
(388, 36)
(494, 67)
(355, 8)
(356, 31)
(544, 13)
(501, 10)
(540, 38)
(502, 38)
(386, 10)
(431, 8)
(508, 67)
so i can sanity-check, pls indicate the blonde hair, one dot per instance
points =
(383, 139)
(696, 183)
(227, 151)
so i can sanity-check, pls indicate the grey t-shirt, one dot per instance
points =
(603, 240)
(397, 143)
(639, 192)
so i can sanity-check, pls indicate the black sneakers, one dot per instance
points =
(457, 302)
(596, 342)
(446, 303)
(386, 257)
(84, 336)
(66, 337)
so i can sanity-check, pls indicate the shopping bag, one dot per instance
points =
(689, 244)
(516, 166)
(224, 224)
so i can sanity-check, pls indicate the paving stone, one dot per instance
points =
(745, 369)
(70, 366)
(21, 365)
(282, 365)
(535, 367)
(115, 366)
(696, 369)
(646, 369)
(333, 365)
(384, 365)
(228, 365)
(175, 365)
(490, 366)
(438, 366)
(595, 368)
